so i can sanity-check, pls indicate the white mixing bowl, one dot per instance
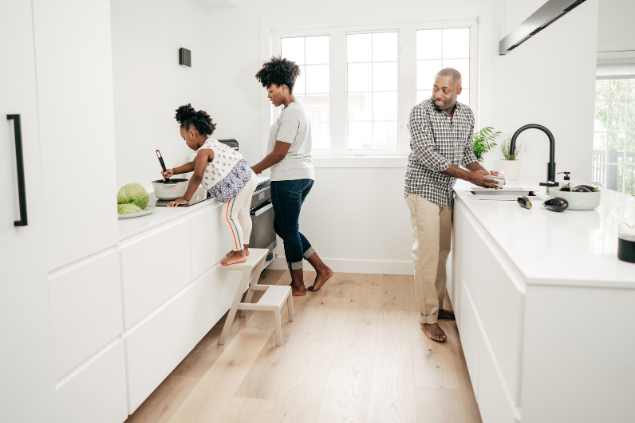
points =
(578, 200)
(170, 191)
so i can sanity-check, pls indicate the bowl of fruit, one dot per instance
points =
(581, 197)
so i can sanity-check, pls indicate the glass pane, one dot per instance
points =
(464, 97)
(360, 135)
(599, 141)
(631, 113)
(631, 84)
(359, 77)
(630, 146)
(293, 49)
(360, 106)
(426, 70)
(385, 46)
(318, 106)
(320, 135)
(600, 116)
(456, 43)
(385, 106)
(384, 135)
(317, 79)
(423, 95)
(429, 44)
(463, 66)
(618, 88)
(317, 50)
(617, 115)
(300, 82)
(616, 142)
(384, 76)
(601, 90)
(358, 47)
(629, 180)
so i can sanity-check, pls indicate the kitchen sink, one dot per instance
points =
(512, 191)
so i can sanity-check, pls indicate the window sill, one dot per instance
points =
(368, 161)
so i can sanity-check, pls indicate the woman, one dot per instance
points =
(292, 174)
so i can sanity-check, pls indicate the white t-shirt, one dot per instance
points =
(292, 127)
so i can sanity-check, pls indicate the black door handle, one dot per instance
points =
(20, 166)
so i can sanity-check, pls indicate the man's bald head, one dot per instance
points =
(455, 74)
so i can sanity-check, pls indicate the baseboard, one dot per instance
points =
(382, 267)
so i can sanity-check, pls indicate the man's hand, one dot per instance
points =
(479, 177)
(179, 202)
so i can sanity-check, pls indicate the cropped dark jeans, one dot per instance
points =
(287, 198)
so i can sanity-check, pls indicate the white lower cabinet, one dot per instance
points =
(97, 394)
(210, 239)
(492, 400)
(86, 310)
(159, 344)
(470, 337)
(154, 268)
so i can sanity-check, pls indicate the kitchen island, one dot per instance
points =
(544, 308)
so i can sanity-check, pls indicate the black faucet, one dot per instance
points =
(551, 166)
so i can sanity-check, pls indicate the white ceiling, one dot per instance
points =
(214, 4)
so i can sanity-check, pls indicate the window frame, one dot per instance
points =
(406, 84)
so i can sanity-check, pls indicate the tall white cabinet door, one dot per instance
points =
(75, 96)
(27, 389)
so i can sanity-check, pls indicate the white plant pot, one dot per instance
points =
(510, 168)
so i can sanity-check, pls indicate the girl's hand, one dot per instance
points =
(167, 174)
(179, 202)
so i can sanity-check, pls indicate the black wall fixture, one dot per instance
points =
(185, 57)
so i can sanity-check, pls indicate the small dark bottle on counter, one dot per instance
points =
(626, 250)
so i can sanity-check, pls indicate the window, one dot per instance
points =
(614, 134)
(372, 75)
(438, 49)
(312, 87)
(360, 83)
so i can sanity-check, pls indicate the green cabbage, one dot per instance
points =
(133, 193)
(128, 208)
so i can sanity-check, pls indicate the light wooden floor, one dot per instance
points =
(355, 353)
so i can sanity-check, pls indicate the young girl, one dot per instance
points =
(223, 172)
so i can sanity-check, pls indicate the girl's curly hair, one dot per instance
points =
(186, 116)
(278, 71)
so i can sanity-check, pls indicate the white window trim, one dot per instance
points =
(338, 112)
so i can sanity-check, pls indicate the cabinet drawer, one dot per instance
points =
(470, 333)
(210, 239)
(98, 393)
(86, 311)
(160, 344)
(498, 303)
(154, 268)
(492, 401)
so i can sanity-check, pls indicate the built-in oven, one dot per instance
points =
(262, 216)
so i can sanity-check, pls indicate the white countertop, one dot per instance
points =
(549, 248)
(136, 225)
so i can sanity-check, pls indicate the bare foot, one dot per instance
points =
(297, 292)
(434, 332)
(446, 314)
(234, 257)
(321, 278)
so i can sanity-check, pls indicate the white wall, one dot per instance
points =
(616, 32)
(149, 84)
(357, 217)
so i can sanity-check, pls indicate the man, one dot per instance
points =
(441, 132)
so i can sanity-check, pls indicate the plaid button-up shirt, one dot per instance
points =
(437, 141)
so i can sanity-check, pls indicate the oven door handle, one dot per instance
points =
(262, 210)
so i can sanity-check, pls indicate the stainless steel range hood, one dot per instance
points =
(548, 13)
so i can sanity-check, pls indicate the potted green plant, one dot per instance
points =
(510, 165)
(484, 141)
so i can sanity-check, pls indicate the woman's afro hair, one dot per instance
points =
(278, 71)
(186, 116)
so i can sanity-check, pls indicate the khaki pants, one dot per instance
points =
(431, 228)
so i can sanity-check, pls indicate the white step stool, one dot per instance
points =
(272, 300)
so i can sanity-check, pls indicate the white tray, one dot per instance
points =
(148, 210)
